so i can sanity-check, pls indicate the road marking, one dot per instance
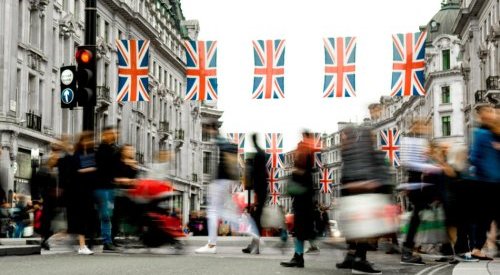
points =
(437, 269)
(422, 272)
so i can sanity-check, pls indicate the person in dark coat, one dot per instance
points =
(303, 206)
(80, 203)
(258, 178)
(45, 188)
(125, 177)
(363, 172)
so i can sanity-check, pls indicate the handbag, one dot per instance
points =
(272, 217)
(294, 188)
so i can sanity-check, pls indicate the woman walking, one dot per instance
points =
(303, 206)
(80, 204)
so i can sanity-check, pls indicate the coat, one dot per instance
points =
(303, 206)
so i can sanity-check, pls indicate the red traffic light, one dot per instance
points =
(83, 56)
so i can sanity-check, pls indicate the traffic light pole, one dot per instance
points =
(90, 40)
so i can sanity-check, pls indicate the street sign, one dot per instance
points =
(68, 87)
(67, 96)
(67, 77)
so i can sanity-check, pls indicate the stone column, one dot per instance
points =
(185, 205)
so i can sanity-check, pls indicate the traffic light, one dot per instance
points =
(68, 86)
(86, 75)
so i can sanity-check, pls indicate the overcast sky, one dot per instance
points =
(303, 24)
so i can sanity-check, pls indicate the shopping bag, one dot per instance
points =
(432, 228)
(366, 216)
(272, 217)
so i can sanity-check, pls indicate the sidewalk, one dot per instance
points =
(19, 246)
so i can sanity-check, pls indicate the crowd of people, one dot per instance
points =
(82, 181)
(89, 181)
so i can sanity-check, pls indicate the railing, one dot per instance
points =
(164, 126)
(480, 96)
(34, 121)
(179, 134)
(492, 82)
(103, 94)
(139, 157)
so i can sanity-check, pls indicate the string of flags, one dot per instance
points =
(269, 68)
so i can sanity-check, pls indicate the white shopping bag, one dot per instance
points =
(366, 216)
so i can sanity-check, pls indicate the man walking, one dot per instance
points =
(106, 160)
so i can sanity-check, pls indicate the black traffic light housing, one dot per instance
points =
(86, 75)
(68, 87)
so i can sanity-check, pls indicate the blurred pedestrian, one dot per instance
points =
(363, 172)
(485, 160)
(462, 214)
(80, 203)
(45, 189)
(220, 204)
(258, 178)
(415, 159)
(125, 178)
(303, 206)
(107, 158)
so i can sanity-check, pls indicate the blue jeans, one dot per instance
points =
(105, 203)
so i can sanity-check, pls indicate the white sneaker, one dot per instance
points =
(85, 251)
(206, 250)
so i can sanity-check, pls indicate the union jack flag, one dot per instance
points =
(275, 198)
(201, 73)
(340, 67)
(133, 67)
(239, 139)
(326, 180)
(272, 179)
(408, 64)
(390, 143)
(317, 150)
(274, 151)
(269, 78)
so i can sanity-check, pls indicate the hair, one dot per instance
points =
(481, 107)
(453, 157)
(79, 147)
(122, 148)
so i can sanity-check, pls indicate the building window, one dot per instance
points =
(205, 136)
(106, 31)
(445, 95)
(446, 126)
(106, 75)
(206, 162)
(446, 60)
(20, 21)
(77, 8)
(98, 25)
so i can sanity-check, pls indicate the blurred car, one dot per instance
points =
(334, 229)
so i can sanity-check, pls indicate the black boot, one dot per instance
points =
(252, 248)
(363, 267)
(347, 263)
(296, 261)
(45, 245)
